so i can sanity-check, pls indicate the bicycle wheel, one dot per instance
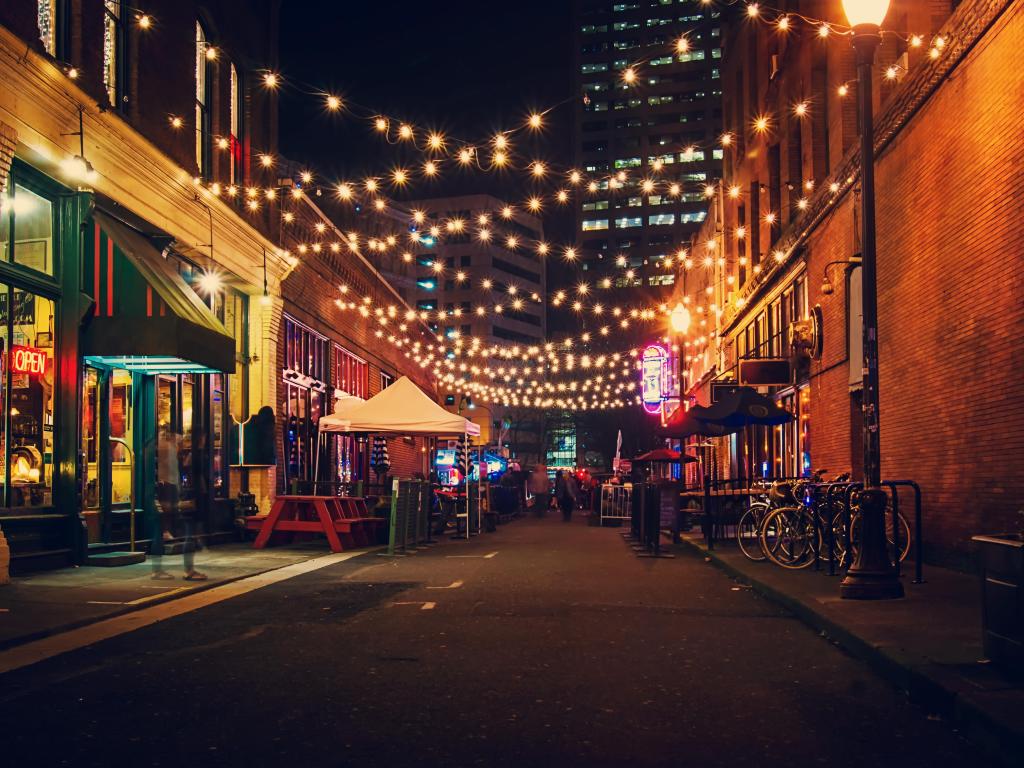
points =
(855, 536)
(748, 531)
(787, 537)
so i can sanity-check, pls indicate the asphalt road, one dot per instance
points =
(562, 649)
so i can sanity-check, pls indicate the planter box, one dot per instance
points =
(1001, 567)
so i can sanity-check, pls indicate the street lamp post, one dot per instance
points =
(871, 576)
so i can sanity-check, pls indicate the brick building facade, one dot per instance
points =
(152, 288)
(949, 256)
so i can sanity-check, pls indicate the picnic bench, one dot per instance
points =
(344, 520)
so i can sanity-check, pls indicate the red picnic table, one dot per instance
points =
(344, 520)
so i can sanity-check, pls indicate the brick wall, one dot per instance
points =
(951, 275)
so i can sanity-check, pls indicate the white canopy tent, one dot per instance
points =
(400, 409)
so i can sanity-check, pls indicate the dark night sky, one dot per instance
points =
(463, 66)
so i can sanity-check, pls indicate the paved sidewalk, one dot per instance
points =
(928, 643)
(49, 602)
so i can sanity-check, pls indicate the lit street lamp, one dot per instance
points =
(871, 577)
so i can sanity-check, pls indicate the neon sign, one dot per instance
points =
(653, 378)
(28, 360)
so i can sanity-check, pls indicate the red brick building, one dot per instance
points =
(950, 264)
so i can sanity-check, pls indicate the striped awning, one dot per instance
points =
(146, 318)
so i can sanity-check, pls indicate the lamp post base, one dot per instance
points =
(872, 577)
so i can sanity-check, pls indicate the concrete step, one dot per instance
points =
(115, 559)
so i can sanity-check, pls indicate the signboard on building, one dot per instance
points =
(654, 374)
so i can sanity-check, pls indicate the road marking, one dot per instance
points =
(32, 653)
(485, 557)
(424, 606)
(141, 600)
(453, 585)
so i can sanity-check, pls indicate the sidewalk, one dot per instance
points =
(50, 602)
(928, 643)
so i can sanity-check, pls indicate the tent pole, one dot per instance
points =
(465, 445)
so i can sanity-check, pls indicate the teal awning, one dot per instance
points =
(146, 317)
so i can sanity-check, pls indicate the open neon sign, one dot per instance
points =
(29, 360)
(653, 378)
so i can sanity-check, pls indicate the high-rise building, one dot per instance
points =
(649, 117)
(458, 274)
(490, 292)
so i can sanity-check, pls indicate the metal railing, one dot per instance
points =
(615, 502)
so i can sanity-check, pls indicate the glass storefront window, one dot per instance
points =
(217, 436)
(121, 427)
(28, 399)
(90, 437)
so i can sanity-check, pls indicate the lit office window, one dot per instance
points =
(592, 225)
(661, 219)
(626, 222)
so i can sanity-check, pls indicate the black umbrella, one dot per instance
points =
(684, 424)
(742, 407)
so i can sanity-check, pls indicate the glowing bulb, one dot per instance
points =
(753, 11)
(761, 123)
(682, 45)
(824, 30)
(465, 156)
(333, 103)
(271, 80)
(405, 131)
(726, 139)
(380, 124)
(266, 161)
(629, 75)
(734, 191)
(783, 23)
(430, 168)
(534, 204)
(570, 254)
(538, 169)
(647, 185)
(344, 191)
(575, 177)
(145, 21)
(177, 122)
(506, 212)
(435, 141)
(800, 110)
(210, 282)
(562, 196)
(844, 89)
(400, 176)
(535, 120)
(499, 158)
(211, 53)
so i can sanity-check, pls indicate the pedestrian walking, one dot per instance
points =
(540, 489)
(566, 493)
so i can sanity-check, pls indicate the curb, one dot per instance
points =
(922, 684)
(14, 642)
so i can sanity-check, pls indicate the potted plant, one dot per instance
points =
(1001, 567)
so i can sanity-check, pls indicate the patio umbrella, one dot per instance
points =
(684, 424)
(379, 459)
(743, 407)
(665, 455)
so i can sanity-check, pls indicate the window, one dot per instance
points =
(235, 136)
(692, 218)
(589, 69)
(114, 49)
(627, 162)
(51, 18)
(386, 380)
(30, 218)
(661, 219)
(26, 399)
(591, 225)
(351, 373)
(596, 205)
(203, 93)
(593, 29)
(626, 222)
